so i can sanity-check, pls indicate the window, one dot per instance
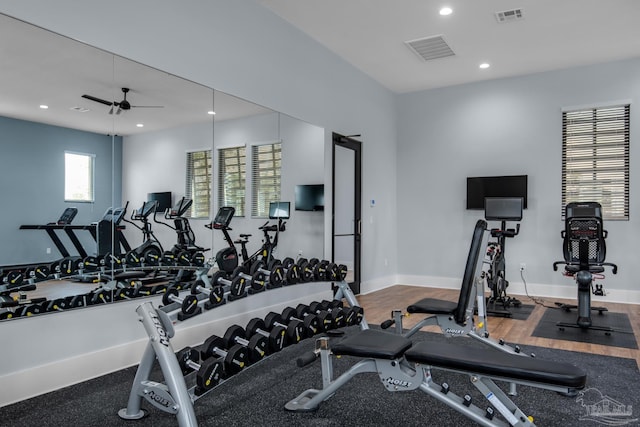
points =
(595, 159)
(198, 185)
(78, 177)
(231, 178)
(266, 161)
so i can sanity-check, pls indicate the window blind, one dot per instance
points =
(595, 159)
(231, 178)
(265, 183)
(198, 183)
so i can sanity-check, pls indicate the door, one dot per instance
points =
(347, 206)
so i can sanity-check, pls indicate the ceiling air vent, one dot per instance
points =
(429, 48)
(509, 15)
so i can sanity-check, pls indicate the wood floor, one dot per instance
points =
(378, 305)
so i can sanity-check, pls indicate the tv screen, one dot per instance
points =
(279, 210)
(479, 188)
(310, 197)
(163, 199)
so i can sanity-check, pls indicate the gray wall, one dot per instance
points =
(243, 49)
(32, 185)
(504, 127)
(155, 161)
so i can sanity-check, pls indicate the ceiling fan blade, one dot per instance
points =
(111, 110)
(147, 106)
(93, 98)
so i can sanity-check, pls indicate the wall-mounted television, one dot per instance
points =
(478, 188)
(310, 197)
(163, 199)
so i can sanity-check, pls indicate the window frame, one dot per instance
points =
(598, 135)
(91, 178)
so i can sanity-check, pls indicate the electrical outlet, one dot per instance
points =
(523, 266)
(48, 250)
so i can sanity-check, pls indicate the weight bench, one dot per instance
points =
(456, 319)
(403, 366)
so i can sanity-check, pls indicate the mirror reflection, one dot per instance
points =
(115, 185)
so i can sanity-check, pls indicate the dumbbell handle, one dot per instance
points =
(307, 358)
(223, 353)
(193, 365)
(242, 341)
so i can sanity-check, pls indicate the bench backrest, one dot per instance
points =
(472, 268)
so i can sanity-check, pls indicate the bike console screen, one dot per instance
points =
(223, 217)
(279, 210)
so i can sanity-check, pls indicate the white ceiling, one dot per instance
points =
(554, 34)
(39, 67)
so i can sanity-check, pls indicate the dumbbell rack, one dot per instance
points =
(173, 396)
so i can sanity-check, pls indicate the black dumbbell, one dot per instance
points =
(188, 304)
(291, 271)
(256, 282)
(305, 270)
(209, 371)
(257, 345)
(275, 336)
(233, 359)
(353, 315)
(320, 270)
(312, 324)
(273, 275)
(236, 286)
(100, 296)
(215, 295)
(294, 328)
(329, 309)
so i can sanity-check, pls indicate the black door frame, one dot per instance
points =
(356, 146)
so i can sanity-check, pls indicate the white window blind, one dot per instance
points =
(198, 183)
(231, 178)
(595, 159)
(265, 183)
(79, 177)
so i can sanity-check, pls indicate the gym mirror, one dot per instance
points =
(136, 134)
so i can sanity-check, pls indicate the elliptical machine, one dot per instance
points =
(185, 251)
(150, 251)
(501, 209)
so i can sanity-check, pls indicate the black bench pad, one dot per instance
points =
(492, 362)
(372, 343)
(433, 306)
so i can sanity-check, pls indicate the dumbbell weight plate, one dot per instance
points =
(310, 321)
(342, 272)
(287, 263)
(184, 259)
(14, 278)
(198, 259)
(305, 272)
(258, 281)
(277, 276)
(257, 265)
(209, 375)
(168, 258)
(354, 316)
(233, 362)
(41, 272)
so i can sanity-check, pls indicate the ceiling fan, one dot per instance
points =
(123, 105)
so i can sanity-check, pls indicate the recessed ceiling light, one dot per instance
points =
(446, 11)
(44, 107)
(211, 113)
(140, 125)
(484, 65)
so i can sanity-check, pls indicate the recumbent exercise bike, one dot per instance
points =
(584, 252)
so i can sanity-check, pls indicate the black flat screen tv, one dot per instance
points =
(478, 188)
(163, 199)
(310, 197)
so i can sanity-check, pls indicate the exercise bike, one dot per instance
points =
(501, 209)
(279, 211)
(226, 258)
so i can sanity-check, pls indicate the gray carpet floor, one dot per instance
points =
(256, 397)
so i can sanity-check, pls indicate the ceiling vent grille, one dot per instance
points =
(509, 15)
(429, 48)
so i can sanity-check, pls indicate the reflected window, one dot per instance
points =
(231, 178)
(265, 183)
(198, 184)
(78, 177)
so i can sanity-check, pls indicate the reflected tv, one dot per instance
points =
(310, 197)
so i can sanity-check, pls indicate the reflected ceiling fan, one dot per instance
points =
(123, 105)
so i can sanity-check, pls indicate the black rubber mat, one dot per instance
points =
(622, 336)
(521, 312)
